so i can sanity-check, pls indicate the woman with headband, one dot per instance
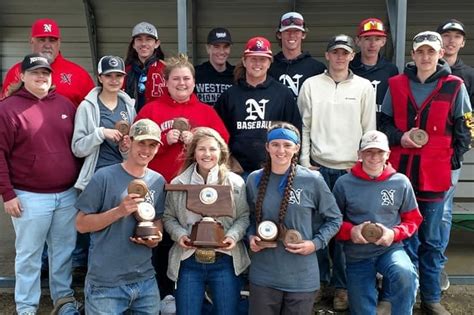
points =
(292, 215)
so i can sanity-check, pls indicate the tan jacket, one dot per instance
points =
(175, 222)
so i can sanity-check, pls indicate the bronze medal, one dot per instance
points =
(372, 232)
(123, 126)
(292, 236)
(138, 186)
(419, 136)
(181, 124)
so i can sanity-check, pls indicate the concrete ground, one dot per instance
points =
(459, 299)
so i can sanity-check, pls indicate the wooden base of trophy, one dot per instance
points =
(208, 234)
(147, 230)
(267, 244)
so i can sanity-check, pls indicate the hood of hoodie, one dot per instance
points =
(265, 84)
(359, 67)
(442, 69)
(281, 58)
(23, 92)
(359, 172)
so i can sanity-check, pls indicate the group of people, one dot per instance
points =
(295, 139)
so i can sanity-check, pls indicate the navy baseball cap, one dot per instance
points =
(35, 61)
(219, 35)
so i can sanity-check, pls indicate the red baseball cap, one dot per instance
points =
(258, 46)
(371, 27)
(45, 28)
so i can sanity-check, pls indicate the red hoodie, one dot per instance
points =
(35, 144)
(168, 161)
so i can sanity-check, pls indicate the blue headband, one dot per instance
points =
(283, 133)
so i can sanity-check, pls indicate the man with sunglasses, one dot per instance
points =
(291, 66)
(454, 38)
(423, 115)
(369, 63)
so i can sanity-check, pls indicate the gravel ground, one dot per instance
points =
(459, 300)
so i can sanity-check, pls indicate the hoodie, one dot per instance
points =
(35, 144)
(248, 111)
(294, 72)
(378, 75)
(466, 73)
(210, 83)
(388, 199)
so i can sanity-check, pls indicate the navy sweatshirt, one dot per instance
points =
(210, 83)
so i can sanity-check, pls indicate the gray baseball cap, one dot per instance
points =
(145, 28)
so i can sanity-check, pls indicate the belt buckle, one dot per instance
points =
(205, 255)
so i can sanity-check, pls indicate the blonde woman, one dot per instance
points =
(206, 163)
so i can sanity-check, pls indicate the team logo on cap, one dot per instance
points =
(148, 29)
(35, 59)
(259, 44)
(113, 62)
(47, 28)
(221, 35)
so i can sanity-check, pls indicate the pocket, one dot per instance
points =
(435, 170)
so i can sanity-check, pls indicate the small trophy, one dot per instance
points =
(372, 232)
(292, 236)
(181, 124)
(210, 201)
(419, 136)
(123, 126)
(145, 214)
(267, 231)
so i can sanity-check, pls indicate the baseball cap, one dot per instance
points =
(258, 46)
(146, 29)
(108, 64)
(35, 61)
(371, 27)
(374, 139)
(291, 20)
(219, 35)
(429, 38)
(451, 25)
(341, 41)
(45, 28)
(145, 129)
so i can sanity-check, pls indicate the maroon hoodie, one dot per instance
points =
(35, 144)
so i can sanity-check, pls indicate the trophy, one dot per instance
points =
(419, 136)
(145, 214)
(292, 236)
(372, 232)
(209, 201)
(267, 231)
(123, 126)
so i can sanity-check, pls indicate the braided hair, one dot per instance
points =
(262, 187)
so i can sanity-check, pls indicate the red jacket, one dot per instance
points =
(155, 85)
(35, 144)
(70, 79)
(167, 161)
(429, 168)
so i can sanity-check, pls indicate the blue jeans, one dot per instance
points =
(399, 273)
(425, 249)
(50, 218)
(445, 226)
(219, 277)
(141, 297)
(335, 248)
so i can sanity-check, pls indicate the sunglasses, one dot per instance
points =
(428, 37)
(373, 26)
(141, 83)
(292, 21)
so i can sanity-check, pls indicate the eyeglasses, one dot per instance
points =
(292, 21)
(428, 37)
(141, 83)
(373, 26)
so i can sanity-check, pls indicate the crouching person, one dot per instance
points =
(120, 277)
(380, 210)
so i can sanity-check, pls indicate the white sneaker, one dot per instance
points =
(168, 305)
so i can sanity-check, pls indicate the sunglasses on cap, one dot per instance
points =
(428, 37)
(373, 26)
(292, 21)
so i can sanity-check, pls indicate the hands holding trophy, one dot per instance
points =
(146, 228)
